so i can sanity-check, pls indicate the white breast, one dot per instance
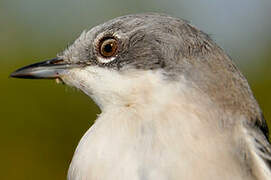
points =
(151, 130)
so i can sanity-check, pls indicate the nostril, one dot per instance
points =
(56, 61)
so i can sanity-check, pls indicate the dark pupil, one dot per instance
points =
(108, 48)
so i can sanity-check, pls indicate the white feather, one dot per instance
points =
(150, 128)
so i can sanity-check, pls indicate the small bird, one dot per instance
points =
(173, 104)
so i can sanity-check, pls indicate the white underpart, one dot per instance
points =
(261, 170)
(150, 129)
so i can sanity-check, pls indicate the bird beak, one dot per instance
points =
(49, 69)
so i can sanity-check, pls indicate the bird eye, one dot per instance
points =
(108, 47)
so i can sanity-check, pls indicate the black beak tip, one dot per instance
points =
(48, 69)
(19, 73)
(15, 74)
(11, 75)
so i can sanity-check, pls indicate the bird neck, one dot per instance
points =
(152, 97)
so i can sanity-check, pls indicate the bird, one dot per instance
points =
(174, 106)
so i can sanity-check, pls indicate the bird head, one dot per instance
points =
(134, 54)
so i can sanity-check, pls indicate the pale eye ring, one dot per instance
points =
(108, 47)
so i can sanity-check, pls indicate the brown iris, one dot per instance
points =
(108, 47)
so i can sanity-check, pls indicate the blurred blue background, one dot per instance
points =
(41, 122)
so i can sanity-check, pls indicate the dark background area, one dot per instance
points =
(42, 122)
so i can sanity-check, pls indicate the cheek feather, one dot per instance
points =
(110, 87)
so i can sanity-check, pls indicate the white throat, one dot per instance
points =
(113, 89)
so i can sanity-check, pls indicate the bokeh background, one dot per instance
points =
(42, 122)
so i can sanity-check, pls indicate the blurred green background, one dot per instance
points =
(42, 122)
